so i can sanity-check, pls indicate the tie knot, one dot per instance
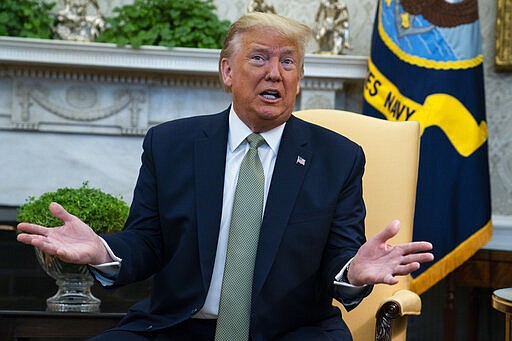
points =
(255, 140)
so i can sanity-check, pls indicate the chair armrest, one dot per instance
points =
(407, 302)
(402, 303)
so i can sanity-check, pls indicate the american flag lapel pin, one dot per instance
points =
(300, 161)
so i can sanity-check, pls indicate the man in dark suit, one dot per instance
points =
(178, 229)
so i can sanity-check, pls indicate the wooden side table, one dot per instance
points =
(502, 301)
(28, 325)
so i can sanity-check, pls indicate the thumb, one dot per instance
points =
(60, 212)
(389, 232)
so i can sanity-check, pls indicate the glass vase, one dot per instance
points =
(74, 283)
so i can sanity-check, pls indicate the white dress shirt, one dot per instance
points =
(236, 148)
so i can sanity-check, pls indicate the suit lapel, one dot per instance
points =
(289, 172)
(210, 158)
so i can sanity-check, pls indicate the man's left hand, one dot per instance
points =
(378, 262)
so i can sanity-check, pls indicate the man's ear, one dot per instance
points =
(225, 69)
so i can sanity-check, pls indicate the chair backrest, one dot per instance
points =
(389, 191)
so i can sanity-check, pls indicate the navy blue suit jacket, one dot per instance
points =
(312, 225)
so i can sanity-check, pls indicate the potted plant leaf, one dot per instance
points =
(26, 18)
(103, 212)
(171, 23)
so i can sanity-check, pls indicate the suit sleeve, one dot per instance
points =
(139, 245)
(347, 233)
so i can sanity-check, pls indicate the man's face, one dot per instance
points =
(264, 76)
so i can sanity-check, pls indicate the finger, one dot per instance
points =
(389, 232)
(33, 229)
(406, 269)
(60, 212)
(415, 247)
(25, 238)
(417, 258)
(390, 279)
(47, 247)
(37, 241)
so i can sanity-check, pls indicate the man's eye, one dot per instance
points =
(288, 61)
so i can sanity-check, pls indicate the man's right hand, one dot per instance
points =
(73, 242)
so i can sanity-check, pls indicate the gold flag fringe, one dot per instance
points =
(452, 260)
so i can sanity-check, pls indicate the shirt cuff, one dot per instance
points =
(339, 278)
(106, 273)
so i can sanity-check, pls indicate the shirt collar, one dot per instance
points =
(238, 131)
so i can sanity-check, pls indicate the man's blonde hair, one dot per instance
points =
(291, 29)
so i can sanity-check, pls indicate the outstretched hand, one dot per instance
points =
(378, 262)
(73, 242)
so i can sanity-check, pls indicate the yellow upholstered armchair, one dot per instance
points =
(389, 191)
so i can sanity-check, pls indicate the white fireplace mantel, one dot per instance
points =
(155, 58)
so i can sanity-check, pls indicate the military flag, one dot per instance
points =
(426, 65)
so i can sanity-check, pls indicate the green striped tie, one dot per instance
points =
(235, 297)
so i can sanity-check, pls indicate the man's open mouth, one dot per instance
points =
(271, 94)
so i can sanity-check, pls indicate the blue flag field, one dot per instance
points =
(426, 65)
